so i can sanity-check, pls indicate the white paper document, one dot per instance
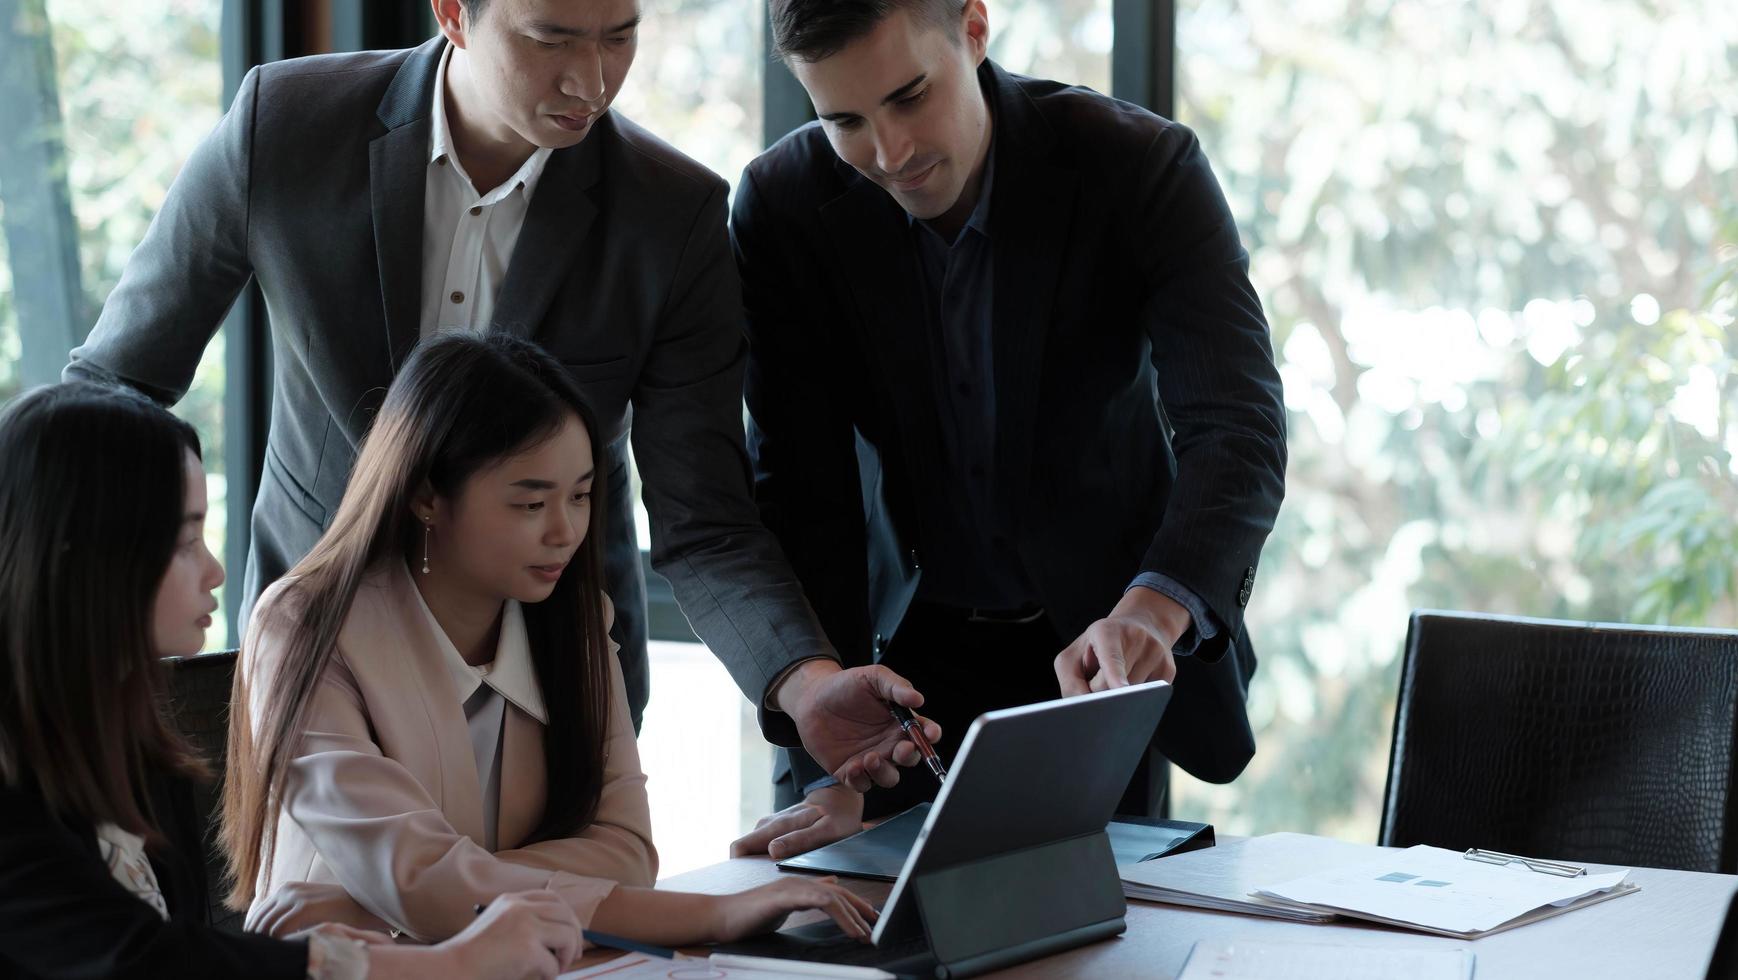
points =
(1266, 960)
(1222, 877)
(1438, 889)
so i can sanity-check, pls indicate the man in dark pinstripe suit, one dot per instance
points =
(1015, 415)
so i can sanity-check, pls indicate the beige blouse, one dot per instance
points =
(384, 796)
(484, 692)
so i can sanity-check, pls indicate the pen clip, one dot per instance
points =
(1561, 869)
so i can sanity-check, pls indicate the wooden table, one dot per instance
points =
(1664, 931)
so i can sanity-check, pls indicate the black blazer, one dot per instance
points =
(1140, 423)
(62, 914)
(313, 185)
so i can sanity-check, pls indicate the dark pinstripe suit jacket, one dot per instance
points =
(1140, 424)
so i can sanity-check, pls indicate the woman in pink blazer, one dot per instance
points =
(429, 712)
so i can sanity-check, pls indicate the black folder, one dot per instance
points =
(879, 852)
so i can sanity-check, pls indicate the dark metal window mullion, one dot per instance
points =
(1143, 58)
(784, 104)
(41, 233)
(364, 25)
(253, 33)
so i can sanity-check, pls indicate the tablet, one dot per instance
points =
(1027, 798)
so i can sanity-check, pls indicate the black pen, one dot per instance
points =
(908, 724)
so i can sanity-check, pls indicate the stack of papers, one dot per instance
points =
(1221, 878)
(1434, 890)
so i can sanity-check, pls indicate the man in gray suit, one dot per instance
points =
(480, 182)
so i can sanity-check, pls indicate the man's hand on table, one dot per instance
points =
(1130, 646)
(824, 816)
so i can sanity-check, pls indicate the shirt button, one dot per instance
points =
(476, 211)
(457, 297)
(440, 161)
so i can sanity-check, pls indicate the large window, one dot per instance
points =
(1068, 40)
(696, 83)
(111, 99)
(696, 79)
(1497, 241)
(1488, 237)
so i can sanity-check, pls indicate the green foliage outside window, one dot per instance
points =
(1495, 240)
(139, 86)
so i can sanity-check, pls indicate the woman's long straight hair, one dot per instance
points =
(460, 404)
(92, 500)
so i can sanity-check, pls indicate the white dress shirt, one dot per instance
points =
(467, 238)
(124, 853)
(484, 691)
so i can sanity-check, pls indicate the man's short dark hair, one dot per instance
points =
(812, 30)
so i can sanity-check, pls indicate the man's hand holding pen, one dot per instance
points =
(841, 714)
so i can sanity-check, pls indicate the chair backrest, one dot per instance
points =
(199, 704)
(1584, 742)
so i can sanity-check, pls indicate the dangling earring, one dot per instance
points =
(427, 530)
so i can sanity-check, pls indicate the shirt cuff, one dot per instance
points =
(767, 702)
(1202, 623)
(824, 782)
(583, 894)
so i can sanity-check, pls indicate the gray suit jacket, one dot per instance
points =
(313, 184)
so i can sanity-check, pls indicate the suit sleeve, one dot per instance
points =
(185, 275)
(1217, 382)
(63, 915)
(617, 844)
(373, 823)
(729, 574)
(801, 439)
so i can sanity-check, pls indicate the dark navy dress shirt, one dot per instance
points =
(975, 564)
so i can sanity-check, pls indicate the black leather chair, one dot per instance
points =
(199, 703)
(1584, 742)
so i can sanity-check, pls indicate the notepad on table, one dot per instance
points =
(879, 852)
(1433, 890)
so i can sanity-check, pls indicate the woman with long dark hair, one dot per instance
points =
(429, 711)
(103, 571)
